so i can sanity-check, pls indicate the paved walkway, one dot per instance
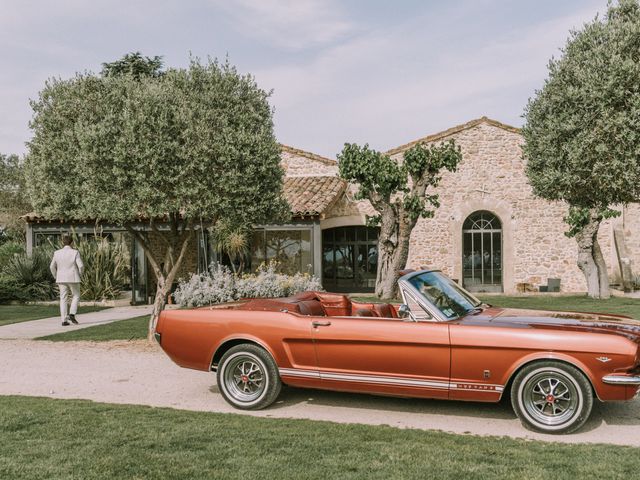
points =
(49, 326)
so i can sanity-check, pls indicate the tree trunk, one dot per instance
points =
(158, 305)
(590, 260)
(603, 274)
(176, 241)
(393, 252)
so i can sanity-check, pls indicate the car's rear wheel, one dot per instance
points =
(248, 377)
(552, 397)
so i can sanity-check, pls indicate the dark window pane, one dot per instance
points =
(373, 233)
(327, 235)
(350, 234)
(361, 234)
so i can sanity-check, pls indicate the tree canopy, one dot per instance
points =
(14, 201)
(187, 146)
(134, 64)
(582, 128)
(582, 134)
(398, 193)
(198, 142)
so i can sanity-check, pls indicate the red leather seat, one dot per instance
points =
(384, 310)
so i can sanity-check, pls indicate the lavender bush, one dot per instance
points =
(220, 285)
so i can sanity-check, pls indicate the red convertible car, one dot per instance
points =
(442, 342)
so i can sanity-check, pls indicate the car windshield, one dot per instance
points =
(445, 294)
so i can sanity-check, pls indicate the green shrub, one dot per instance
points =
(10, 291)
(8, 250)
(32, 275)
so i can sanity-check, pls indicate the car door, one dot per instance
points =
(383, 355)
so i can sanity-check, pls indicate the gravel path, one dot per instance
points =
(140, 373)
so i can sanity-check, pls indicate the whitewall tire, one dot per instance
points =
(552, 397)
(248, 377)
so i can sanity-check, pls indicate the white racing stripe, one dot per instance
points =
(400, 381)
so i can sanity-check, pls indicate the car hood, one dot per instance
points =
(570, 321)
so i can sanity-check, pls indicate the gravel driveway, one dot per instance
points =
(140, 373)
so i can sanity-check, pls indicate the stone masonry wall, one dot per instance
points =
(298, 165)
(491, 177)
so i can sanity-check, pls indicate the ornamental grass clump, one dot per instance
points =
(220, 285)
(106, 268)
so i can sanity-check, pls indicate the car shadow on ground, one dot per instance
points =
(613, 413)
(292, 396)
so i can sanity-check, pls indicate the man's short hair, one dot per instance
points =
(67, 240)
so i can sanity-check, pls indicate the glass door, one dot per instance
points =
(139, 275)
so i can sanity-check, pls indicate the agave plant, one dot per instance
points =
(31, 274)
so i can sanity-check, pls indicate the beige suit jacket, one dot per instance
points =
(66, 266)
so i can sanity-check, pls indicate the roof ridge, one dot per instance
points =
(453, 130)
(309, 155)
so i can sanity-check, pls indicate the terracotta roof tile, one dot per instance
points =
(312, 196)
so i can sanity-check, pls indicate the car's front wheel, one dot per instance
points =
(552, 397)
(248, 377)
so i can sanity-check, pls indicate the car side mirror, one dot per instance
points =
(403, 311)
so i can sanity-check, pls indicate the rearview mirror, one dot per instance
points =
(403, 311)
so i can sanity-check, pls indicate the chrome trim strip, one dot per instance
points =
(384, 380)
(298, 372)
(621, 380)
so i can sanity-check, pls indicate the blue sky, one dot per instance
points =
(382, 72)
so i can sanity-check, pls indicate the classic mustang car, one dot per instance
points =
(442, 342)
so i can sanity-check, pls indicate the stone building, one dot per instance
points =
(490, 232)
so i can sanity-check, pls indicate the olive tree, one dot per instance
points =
(158, 154)
(582, 131)
(14, 201)
(398, 193)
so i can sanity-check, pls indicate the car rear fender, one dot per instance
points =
(225, 344)
(540, 356)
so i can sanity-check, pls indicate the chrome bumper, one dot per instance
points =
(621, 380)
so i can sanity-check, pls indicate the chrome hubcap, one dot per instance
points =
(550, 398)
(244, 378)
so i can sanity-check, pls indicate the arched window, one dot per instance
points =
(482, 252)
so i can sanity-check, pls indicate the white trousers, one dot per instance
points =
(65, 288)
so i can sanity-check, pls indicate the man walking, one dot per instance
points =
(66, 267)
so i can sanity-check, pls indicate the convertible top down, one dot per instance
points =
(441, 342)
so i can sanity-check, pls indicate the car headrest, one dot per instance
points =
(311, 307)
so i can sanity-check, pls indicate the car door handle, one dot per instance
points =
(319, 323)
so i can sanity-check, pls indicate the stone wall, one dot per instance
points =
(297, 163)
(631, 226)
(491, 177)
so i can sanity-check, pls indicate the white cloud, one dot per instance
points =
(390, 86)
(289, 24)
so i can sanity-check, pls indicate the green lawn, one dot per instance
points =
(24, 313)
(130, 329)
(582, 303)
(620, 306)
(52, 439)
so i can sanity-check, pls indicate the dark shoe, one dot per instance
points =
(65, 323)
(73, 319)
